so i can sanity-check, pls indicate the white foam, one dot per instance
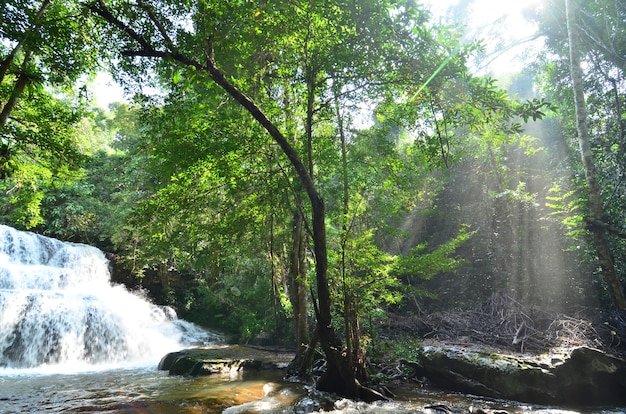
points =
(59, 310)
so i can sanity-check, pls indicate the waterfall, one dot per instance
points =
(58, 307)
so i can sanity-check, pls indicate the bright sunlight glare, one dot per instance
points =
(106, 91)
(500, 24)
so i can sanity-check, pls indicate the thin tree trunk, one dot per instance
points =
(348, 314)
(354, 351)
(272, 256)
(297, 286)
(6, 63)
(593, 188)
(297, 276)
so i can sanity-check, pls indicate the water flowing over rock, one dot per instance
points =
(58, 306)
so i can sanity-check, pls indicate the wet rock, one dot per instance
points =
(591, 375)
(306, 405)
(223, 359)
(579, 376)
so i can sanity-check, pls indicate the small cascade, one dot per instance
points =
(59, 307)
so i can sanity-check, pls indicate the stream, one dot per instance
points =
(144, 389)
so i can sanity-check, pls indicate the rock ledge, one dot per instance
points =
(223, 360)
(576, 376)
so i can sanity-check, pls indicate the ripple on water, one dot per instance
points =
(146, 390)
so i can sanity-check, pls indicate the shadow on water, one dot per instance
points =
(146, 390)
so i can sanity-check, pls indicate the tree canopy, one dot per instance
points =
(307, 167)
(44, 48)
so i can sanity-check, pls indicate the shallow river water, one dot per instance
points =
(146, 390)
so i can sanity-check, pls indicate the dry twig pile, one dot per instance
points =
(505, 323)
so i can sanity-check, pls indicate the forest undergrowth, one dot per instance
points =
(505, 324)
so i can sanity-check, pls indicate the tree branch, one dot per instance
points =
(595, 225)
(146, 53)
(100, 8)
(153, 18)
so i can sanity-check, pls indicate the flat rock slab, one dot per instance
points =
(577, 376)
(224, 360)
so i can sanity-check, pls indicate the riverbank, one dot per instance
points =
(505, 350)
(458, 378)
(500, 350)
(504, 324)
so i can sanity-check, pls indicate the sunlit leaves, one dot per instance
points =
(568, 207)
(367, 279)
(210, 166)
(44, 142)
(424, 264)
(535, 109)
(23, 193)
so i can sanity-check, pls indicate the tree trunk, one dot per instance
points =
(339, 376)
(354, 351)
(297, 280)
(595, 202)
(18, 89)
(297, 276)
(349, 317)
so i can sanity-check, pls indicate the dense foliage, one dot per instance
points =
(440, 189)
(44, 48)
(599, 31)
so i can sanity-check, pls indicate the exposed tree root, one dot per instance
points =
(331, 382)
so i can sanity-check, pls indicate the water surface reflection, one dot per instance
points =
(146, 390)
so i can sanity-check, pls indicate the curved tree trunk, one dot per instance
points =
(593, 188)
(340, 375)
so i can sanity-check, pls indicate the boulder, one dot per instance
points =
(224, 360)
(577, 376)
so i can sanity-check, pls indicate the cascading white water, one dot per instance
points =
(58, 307)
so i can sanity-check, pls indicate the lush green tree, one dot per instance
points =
(597, 40)
(40, 150)
(43, 43)
(94, 205)
(44, 47)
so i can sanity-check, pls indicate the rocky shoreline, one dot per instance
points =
(578, 376)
